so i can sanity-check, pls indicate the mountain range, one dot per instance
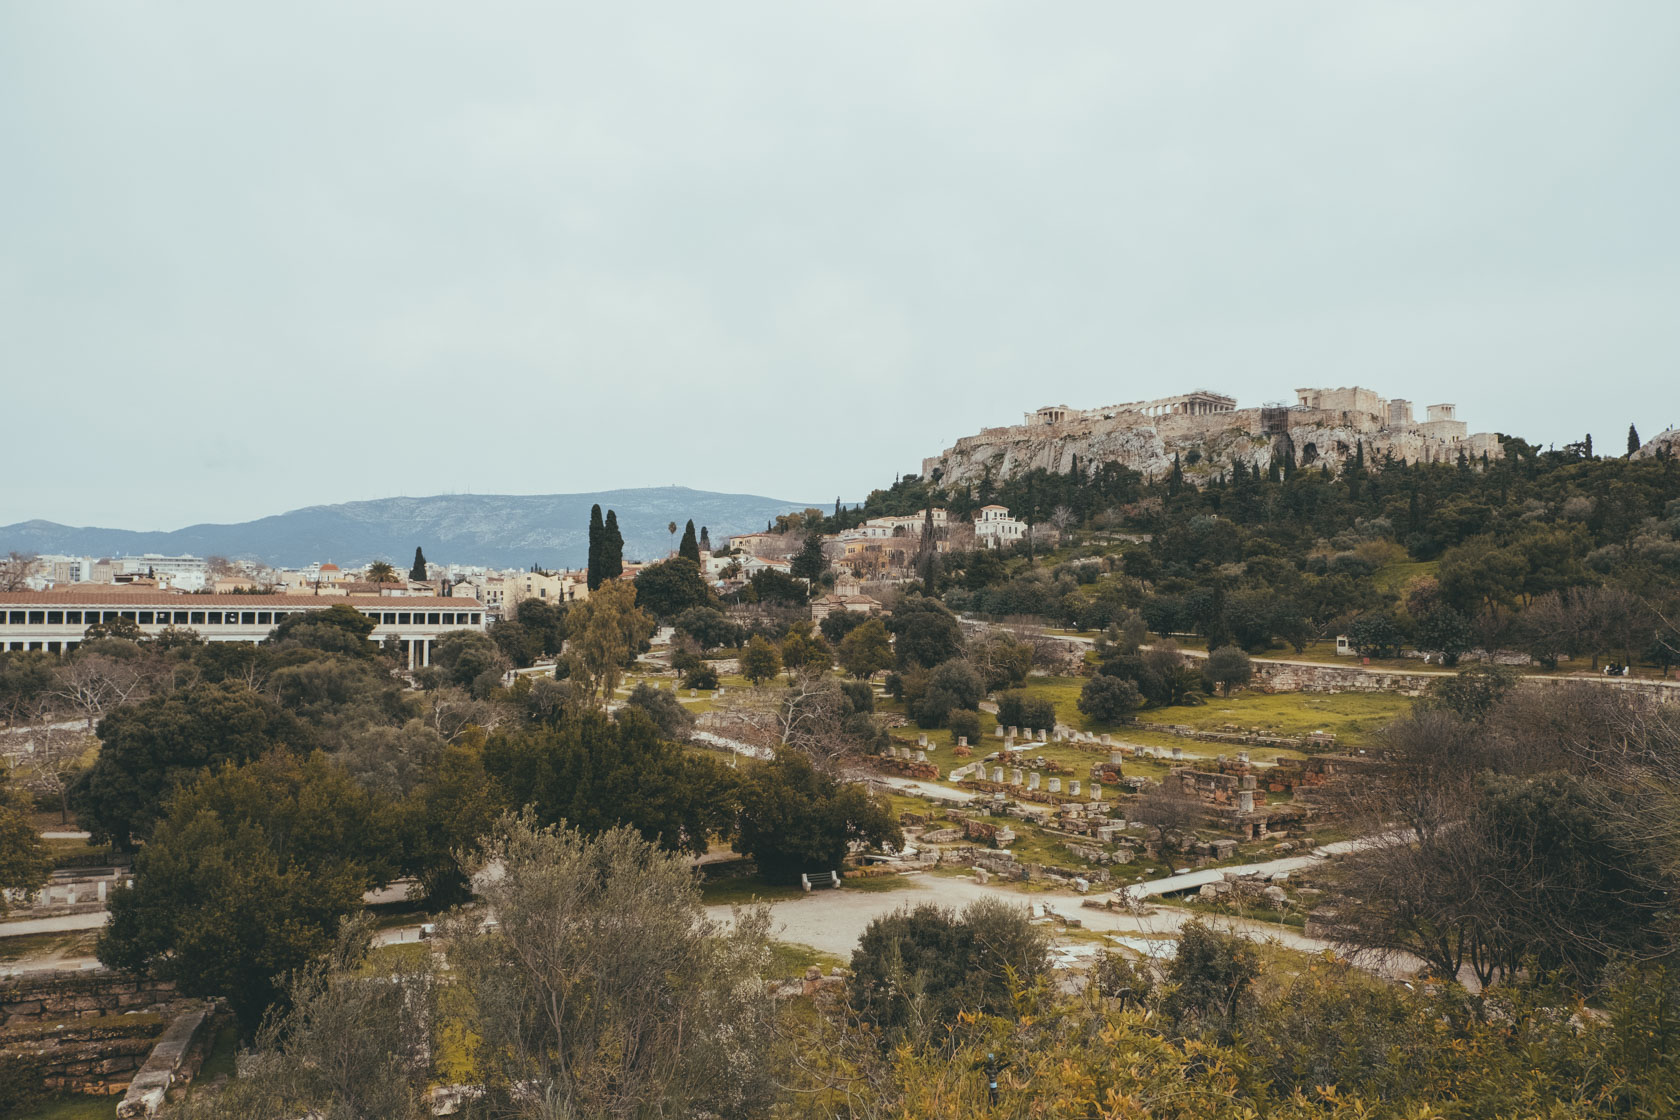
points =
(497, 530)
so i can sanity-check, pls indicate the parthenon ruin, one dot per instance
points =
(1200, 402)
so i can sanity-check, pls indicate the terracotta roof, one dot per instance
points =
(111, 596)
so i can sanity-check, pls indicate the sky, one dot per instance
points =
(257, 257)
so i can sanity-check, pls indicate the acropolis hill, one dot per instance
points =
(1208, 432)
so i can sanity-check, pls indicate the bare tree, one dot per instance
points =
(91, 684)
(810, 716)
(16, 568)
(60, 754)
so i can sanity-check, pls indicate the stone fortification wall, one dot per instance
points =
(1215, 440)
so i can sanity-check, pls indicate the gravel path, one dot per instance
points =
(833, 920)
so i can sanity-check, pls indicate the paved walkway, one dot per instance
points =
(63, 923)
(832, 920)
(1193, 880)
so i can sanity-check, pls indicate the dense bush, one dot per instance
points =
(964, 724)
(914, 970)
(1109, 698)
(1022, 710)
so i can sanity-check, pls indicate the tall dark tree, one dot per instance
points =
(690, 546)
(612, 548)
(418, 572)
(810, 562)
(705, 540)
(597, 536)
(1633, 439)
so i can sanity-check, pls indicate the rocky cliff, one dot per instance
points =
(1206, 445)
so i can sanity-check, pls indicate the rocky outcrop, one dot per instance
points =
(1206, 445)
(1663, 445)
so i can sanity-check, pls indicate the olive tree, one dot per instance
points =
(600, 987)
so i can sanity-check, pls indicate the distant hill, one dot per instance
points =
(499, 530)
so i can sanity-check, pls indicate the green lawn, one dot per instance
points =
(789, 960)
(741, 889)
(73, 1108)
(31, 945)
(1395, 577)
(1351, 716)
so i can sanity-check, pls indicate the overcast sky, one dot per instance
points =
(260, 257)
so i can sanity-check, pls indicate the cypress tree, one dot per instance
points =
(596, 535)
(418, 572)
(612, 548)
(705, 540)
(1175, 480)
(1633, 439)
(690, 546)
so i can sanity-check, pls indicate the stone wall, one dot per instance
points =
(1297, 677)
(54, 997)
(88, 1056)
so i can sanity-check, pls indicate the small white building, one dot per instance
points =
(994, 528)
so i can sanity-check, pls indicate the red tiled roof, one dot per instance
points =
(112, 596)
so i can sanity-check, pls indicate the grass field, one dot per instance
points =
(1395, 577)
(75, 943)
(72, 1108)
(789, 960)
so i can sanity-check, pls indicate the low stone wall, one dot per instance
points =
(35, 997)
(88, 1056)
(1282, 677)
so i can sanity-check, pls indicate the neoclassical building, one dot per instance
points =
(55, 621)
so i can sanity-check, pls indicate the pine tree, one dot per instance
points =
(690, 546)
(1633, 439)
(612, 548)
(418, 572)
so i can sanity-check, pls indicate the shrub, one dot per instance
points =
(700, 676)
(1225, 668)
(963, 722)
(1108, 698)
(1018, 709)
(927, 965)
(859, 695)
(952, 686)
